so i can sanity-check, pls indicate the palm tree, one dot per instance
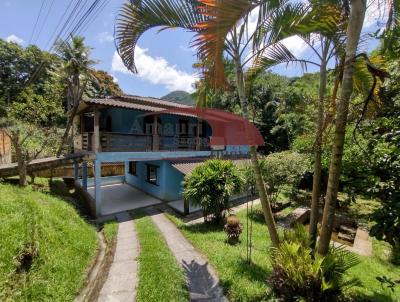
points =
(325, 45)
(356, 21)
(222, 26)
(226, 13)
(75, 70)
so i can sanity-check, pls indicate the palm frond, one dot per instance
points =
(305, 21)
(222, 15)
(136, 17)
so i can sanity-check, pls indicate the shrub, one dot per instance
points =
(297, 275)
(278, 170)
(210, 185)
(387, 189)
(233, 228)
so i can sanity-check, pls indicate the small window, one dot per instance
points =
(152, 174)
(132, 167)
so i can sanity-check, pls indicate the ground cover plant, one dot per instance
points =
(160, 276)
(45, 246)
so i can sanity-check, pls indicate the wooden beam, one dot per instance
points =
(96, 128)
(156, 138)
(199, 124)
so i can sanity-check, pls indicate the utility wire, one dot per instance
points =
(76, 28)
(93, 17)
(37, 20)
(59, 23)
(44, 21)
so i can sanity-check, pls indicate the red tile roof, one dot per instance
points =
(136, 102)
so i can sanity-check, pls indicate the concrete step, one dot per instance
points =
(347, 230)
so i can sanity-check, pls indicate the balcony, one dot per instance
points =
(123, 142)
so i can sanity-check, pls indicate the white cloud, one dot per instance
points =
(104, 37)
(296, 45)
(15, 39)
(156, 70)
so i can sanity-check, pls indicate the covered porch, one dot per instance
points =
(122, 197)
(109, 195)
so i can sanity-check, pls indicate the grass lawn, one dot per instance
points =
(160, 276)
(110, 230)
(244, 282)
(45, 246)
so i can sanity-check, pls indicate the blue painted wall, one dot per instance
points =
(122, 121)
(169, 180)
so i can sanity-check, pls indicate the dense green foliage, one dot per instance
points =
(160, 277)
(31, 88)
(297, 275)
(279, 170)
(210, 185)
(45, 246)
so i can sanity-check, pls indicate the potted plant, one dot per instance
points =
(233, 228)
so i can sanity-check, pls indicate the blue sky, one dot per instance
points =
(164, 59)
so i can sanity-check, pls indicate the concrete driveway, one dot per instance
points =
(123, 197)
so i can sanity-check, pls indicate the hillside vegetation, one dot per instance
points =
(45, 246)
(181, 97)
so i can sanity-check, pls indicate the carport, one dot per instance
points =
(121, 197)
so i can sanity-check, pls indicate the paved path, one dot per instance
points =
(202, 279)
(122, 278)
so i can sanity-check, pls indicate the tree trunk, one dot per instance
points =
(74, 96)
(22, 165)
(266, 206)
(316, 190)
(358, 8)
(67, 129)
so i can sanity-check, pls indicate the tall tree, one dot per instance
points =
(75, 70)
(354, 27)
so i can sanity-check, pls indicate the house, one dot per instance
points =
(159, 142)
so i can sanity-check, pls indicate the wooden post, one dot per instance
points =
(198, 145)
(97, 186)
(84, 175)
(76, 169)
(156, 143)
(96, 131)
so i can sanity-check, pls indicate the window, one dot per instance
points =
(183, 127)
(152, 174)
(132, 167)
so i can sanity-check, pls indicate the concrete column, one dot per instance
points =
(96, 134)
(84, 175)
(126, 169)
(76, 169)
(185, 206)
(156, 139)
(97, 185)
